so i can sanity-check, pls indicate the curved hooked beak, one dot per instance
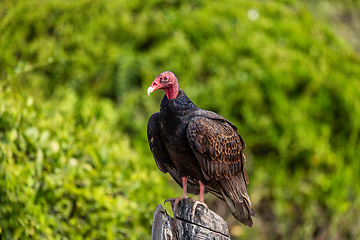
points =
(150, 90)
(155, 85)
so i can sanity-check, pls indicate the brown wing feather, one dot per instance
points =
(218, 147)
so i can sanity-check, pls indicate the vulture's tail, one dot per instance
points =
(235, 195)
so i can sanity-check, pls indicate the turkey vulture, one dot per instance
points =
(201, 150)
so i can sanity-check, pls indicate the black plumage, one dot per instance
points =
(202, 146)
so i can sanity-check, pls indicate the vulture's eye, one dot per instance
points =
(165, 78)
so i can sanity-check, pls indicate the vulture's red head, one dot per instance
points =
(166, 81)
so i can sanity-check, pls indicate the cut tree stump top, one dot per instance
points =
(205, 225)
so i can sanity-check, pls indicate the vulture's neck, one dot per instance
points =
(181, 105)
(173, 91)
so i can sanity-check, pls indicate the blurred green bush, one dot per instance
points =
(73, 113)
(68, 173)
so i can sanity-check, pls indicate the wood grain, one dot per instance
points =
(204, 225)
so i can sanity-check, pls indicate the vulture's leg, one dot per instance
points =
(178, 199)
(184, 180)
(201, 199)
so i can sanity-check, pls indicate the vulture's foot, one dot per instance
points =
(176, 201)
(195, 205)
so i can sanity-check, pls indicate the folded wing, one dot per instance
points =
(219, 150)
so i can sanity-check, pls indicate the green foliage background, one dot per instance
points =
(74, 158)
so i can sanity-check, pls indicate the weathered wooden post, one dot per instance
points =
(204, 225)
